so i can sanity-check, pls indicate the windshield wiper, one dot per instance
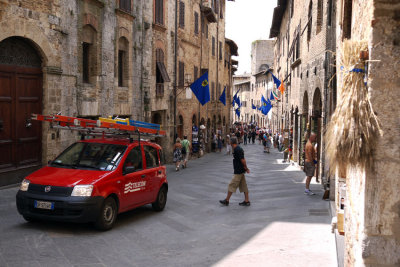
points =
(63, 165)
(86, 166)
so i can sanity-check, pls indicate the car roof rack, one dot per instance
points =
(103, 127)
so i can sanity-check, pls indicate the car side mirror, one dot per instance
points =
(129, 169)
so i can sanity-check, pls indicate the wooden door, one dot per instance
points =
(20, 96)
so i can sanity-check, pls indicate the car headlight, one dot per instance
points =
(82, 191)
(24, 185)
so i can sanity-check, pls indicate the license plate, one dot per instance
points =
(44, 205)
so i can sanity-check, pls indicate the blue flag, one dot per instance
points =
(237, 111)
(253, 107)
(266, 105)
(201, 89)
(237, 100)
(234, 98)
(222, 98)
(276, 80)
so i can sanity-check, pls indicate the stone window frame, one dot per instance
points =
(347, 13)
(213, 46)
(123, 62)
(89, 48)
(309, 24)
(320, 16)
(196, 23)
(181, 71)
(125, 5)
(220, 50)
(195, 73)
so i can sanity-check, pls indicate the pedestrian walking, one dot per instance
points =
(177, 153)
(238, 180)
(219, 142)
(186, 147)
(245, 137)
(309, 164)
(253, 136)
(228, 145)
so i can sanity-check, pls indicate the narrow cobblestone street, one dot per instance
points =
(282, 227)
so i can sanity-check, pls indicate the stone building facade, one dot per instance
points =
(372, 202)
(304, 60)
(77, 61)
(262, 59)
(308, 41)
(200, 46)
(99, 58)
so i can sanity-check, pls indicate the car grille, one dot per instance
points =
(54, 191)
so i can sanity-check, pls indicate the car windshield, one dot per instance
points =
(90, 156)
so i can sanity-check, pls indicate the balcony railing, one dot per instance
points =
(159, 90)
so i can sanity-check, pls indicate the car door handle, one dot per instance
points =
(143, 176)
(159, 172)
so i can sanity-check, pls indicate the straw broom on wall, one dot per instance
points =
(354, 128)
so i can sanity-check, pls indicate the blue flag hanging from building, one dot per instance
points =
(222, 98)
(276, 80)
(201, 89)
(237, 111)
(234, 98)
(253, 107)
(266, 105)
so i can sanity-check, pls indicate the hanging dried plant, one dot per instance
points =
(354, 128)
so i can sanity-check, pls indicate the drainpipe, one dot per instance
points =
(176, 65)
(141, 66)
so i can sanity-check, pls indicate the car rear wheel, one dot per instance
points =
(161, 200)
(107, 216)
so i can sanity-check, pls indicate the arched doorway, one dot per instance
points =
(20, 95)
(303, 129)
(194, 120)
(316, 121)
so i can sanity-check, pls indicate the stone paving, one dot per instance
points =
(282, 227)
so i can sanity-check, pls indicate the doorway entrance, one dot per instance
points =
(20, 96)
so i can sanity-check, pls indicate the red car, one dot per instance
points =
(94, 180)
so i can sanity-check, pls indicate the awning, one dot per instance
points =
(163, 71)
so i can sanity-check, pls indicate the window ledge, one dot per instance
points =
(125, 13)
(296, 63)
(159, 27)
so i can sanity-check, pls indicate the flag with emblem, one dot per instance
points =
(201, 89)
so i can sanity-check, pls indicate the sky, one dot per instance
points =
(247, 21)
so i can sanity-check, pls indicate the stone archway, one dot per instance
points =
(316, 123)
(303, 129)
(21, 93)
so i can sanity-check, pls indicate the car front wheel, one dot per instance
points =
(161, 200)
(107, 216)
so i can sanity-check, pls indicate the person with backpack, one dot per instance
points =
(185, 151)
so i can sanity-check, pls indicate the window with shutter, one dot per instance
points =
(195, 73)
(125, 5)
(196, 23)
(181, 14)
(159, 12)
(213, 46)
(181, 74)
(220, 50)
